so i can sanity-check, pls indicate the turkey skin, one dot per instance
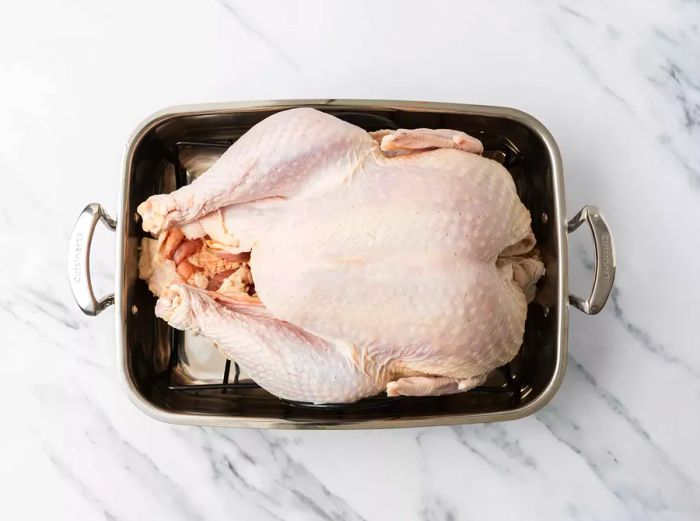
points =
(399, 260)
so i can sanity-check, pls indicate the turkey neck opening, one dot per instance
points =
(172, 258)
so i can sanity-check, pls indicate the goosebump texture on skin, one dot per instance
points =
(394, 260)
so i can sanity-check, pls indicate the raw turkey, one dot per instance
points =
(333, 264)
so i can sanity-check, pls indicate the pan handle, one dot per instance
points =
(604, 272)
(79, 259)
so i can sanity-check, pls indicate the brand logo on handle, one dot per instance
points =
(78, 255)
(606, 257)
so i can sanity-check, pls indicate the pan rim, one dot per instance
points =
(523, 118)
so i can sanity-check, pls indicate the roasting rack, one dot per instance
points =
(511, 387)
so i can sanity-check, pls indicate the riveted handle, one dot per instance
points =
(79, 259)
(604, 272)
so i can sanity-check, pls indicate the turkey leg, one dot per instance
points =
(285, 360)
(282, 155)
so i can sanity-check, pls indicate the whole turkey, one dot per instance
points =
(333, 264)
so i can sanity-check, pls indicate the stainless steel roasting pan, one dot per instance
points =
(181, 379)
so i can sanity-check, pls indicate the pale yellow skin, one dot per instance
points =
(398, 260)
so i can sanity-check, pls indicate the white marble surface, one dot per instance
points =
(618, 84)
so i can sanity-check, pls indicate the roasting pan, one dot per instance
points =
(180, 378)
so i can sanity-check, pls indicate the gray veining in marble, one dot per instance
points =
(618, 84)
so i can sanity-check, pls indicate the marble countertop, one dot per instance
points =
(618, 84)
